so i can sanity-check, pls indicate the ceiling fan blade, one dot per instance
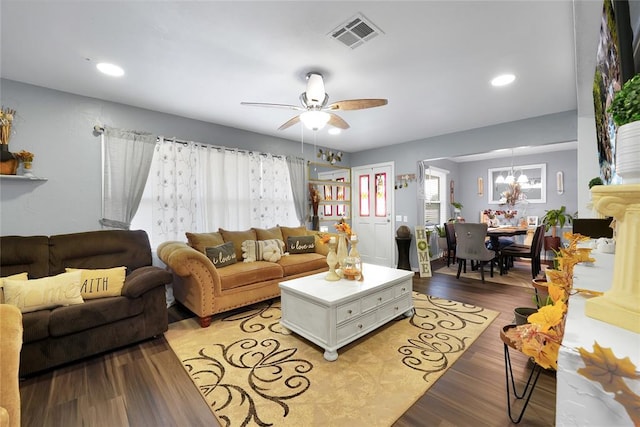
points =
(266, 104)
(290, 123)
(357, 104)
(337, 121)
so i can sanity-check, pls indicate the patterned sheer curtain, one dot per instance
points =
(126, 159)
(201, 188)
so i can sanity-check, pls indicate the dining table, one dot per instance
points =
(494, 234)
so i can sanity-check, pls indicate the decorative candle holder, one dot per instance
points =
(332, 260)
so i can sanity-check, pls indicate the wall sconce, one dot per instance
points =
(560, 182)
(480, 186)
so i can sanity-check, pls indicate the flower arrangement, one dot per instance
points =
(512, 195)
(314, 198)
(24, 156)
(491, 214)
(542, 336)
(6, 121)
(343, 227)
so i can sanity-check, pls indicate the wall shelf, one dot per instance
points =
(21, 178)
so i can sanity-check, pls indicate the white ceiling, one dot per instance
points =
(201, 59)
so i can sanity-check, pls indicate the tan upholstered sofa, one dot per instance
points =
(206, 289)
(10, 345)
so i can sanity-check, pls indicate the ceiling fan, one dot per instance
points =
(316, 113)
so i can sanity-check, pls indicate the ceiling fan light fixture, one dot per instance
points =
(315, 120)
(110, 69)
(334, 131)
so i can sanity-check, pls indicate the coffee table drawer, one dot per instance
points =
(374, 300)
(347, 311)
(356, 327)
(402, 289)
(394, 308)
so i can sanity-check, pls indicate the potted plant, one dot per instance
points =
(457, 210)
(595, 181)
(625, 110)
(551, 219)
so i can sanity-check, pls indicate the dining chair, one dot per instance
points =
(532, 252)
(470, 245)
(450, 235)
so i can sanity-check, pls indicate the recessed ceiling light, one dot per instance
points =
(334, 131)
(503, 80)
(110, 69)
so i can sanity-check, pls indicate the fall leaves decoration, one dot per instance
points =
(6, 121)
(541, 338)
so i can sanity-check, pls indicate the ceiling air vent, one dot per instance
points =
(355, 31)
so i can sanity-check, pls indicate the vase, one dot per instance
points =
(315, 222)
(353, 263)
(8, 161)
(628, 153)
(342, 249)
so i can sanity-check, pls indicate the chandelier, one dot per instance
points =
(510, 179)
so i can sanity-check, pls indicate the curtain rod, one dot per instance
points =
(100, 130)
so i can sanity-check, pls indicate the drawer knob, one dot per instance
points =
(404, 289)
(396, 308)
(379, 298)
(349, 311)
(360, 326)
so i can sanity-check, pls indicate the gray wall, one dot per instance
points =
(58, 128)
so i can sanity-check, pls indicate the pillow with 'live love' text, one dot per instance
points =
(221, 255)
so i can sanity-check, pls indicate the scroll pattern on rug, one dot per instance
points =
(263, 369)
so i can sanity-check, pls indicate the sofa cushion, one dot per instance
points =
(269, 233)
(292, 232)
(302, 263)
(262, 250)
(101, 283)
(99, 249)
(200, 241)
(242, 274)
(301, 244)
(221, 255)
(237, 237)
(48, 292)
(36, 325)
(24, 253)
(97, 312)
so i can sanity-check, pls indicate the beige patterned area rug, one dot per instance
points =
(252, 372)
(518, 275)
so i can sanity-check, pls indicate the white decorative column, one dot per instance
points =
(620, 306)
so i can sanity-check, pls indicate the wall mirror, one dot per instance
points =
(531, 178)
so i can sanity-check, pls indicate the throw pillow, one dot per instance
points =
(222, 255)
(200, 241)
(19, 276)
(48, 292)
(237, 237)
(301, 244)
(262, 250)
(101, 283)
(293, 232)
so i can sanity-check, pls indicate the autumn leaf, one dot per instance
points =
(603, 367)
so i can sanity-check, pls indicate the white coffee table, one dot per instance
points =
(333, 314)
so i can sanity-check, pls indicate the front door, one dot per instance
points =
(372, 208)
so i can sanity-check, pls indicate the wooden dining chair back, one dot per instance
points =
(450, 235)
(532, 252)
(470, 245)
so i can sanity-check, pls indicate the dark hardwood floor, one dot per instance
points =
(145, 384)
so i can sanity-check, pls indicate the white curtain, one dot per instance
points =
(201, 188)
(296, 175)
(126, 157)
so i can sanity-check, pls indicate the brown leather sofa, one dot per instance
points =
(206, 289)
(63, 334)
